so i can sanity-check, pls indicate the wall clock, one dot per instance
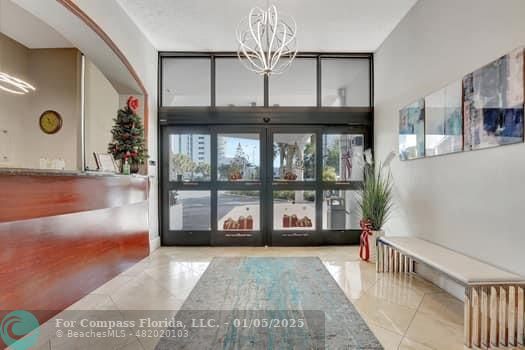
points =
(50, 122)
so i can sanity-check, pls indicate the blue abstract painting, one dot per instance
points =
(493, 101)
(412, 131)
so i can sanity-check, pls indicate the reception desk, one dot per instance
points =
(64, 234)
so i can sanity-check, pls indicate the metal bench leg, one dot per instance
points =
(468, 318)
(494, 316)
(504, 309)
(521, 315)
(485, 317)
(386, 256)
(379, 257)
(512, 315)
(476, 316)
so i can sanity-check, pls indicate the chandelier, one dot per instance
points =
(14, 85)
(267, 42)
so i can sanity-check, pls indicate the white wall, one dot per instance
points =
(143, 57)
(101, 103)
(472, 202)
(19, 114)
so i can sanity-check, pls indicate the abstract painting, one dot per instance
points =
(493, 103)
(443, 121)
(412, 131)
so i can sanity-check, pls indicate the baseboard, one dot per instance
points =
(154, 244)
(440, 280)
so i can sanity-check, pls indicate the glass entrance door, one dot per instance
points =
(236, 185)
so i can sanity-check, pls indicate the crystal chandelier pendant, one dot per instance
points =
(267, 42)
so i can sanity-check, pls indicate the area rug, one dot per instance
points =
(268, 303)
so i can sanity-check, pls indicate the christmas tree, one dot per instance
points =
(128, 136)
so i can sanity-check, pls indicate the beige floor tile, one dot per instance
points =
(94, 302)
(404, 311)
(145, 293)
(113, 285)
(408, 344)
(390, 340)
(354, 277)
(438, 323)
(384, 313)
(395, 291)
(178, 277)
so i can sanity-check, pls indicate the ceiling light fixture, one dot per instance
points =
(14, 85)
(267, 42)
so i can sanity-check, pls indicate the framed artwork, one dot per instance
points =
(412, 131)
(444, 121)
(106, 162)
(493, 99)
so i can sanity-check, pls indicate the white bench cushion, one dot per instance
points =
(463, 269)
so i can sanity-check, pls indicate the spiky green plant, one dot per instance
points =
(375, 197)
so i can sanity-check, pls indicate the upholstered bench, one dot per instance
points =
(494, 298)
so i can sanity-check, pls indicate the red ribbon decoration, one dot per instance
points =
(364, 247)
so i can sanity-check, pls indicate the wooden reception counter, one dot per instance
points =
(63, 234)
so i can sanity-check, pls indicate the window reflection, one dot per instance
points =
(186, 82)
(238, 157)
(189, 158)
(343, 157)
(247, 89)
(294, 157)
(340, 210)
(345, 82)
(238, 211)
(294, 210)
(297, 87)
(190, 210)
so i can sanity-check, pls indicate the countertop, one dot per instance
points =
(52, 172)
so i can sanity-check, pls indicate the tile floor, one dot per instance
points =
(405, 312)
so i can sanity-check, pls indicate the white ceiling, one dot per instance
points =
(323, 25)
(87, 41)
(30, 31)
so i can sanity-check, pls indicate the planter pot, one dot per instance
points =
(135, 168)
(372, 241)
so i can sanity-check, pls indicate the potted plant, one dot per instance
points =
(375, 202)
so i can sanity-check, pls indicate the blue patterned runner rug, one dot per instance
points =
(269, 303)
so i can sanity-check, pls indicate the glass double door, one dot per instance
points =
(264, 185)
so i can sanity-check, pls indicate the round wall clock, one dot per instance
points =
(50, 122)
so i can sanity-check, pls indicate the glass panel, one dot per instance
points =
(297, 86)
(189, 157)
(294, 210)
(444, 124)
(238, 211)
(340, 210)
(190, 210)
(343, 157)
(238, 157)
(186, 82)
(247, 88)
(294, 157)
(345, 82)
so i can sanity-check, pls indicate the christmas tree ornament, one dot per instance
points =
(128, 144)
